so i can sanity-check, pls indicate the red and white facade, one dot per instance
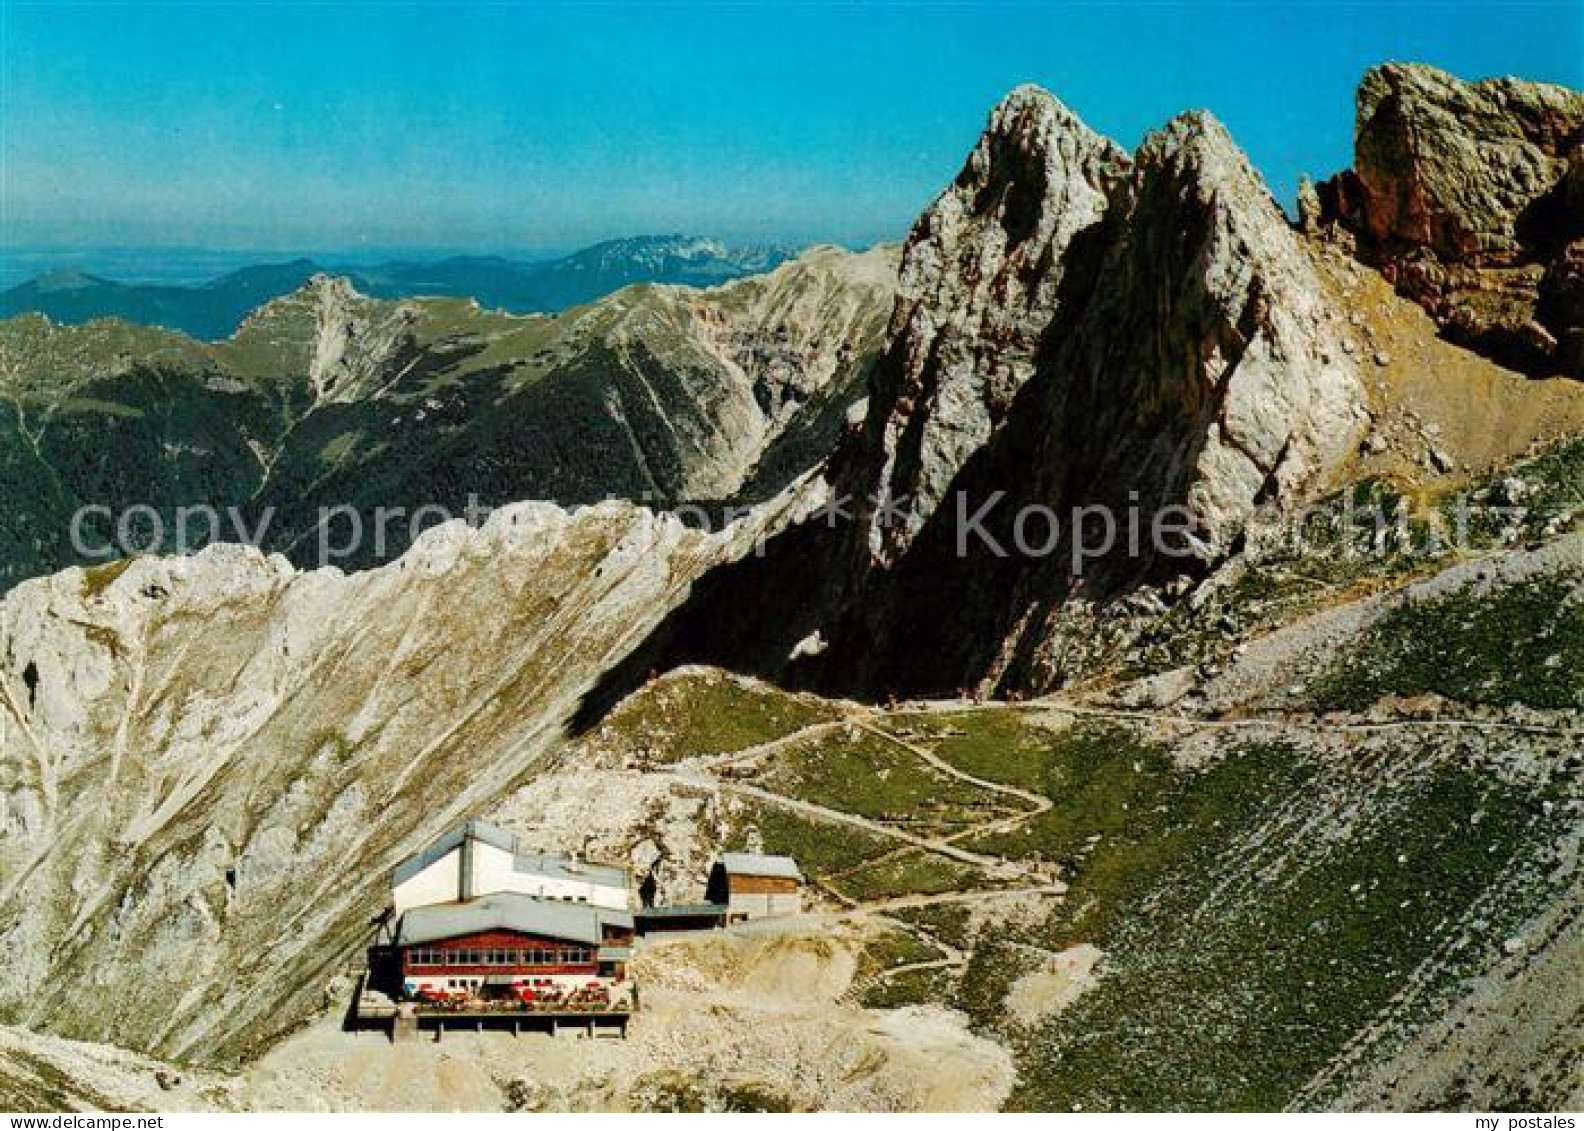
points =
(550, 948)
(516, 964)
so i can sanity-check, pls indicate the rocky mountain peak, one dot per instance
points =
(343, 344)
(342, 338)
(1178, 253)
(1197, 148)
(978, 286)
(1080, 330)
(1263, 383)
(1466, 196)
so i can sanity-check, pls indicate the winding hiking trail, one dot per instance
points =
(1022, 878)
(840, 817)
(1038, 881)
(1040, 802)
(1066, 703)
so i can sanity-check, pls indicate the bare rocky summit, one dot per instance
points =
(1470, 197)
(1077, 329)
(978, 287)
(1161, 303)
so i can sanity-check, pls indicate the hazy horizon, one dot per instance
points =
(175, 265)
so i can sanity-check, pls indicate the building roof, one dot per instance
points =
(533, 864)
(681, 910)
(509, 911)
(756, 864)
(478, 830)
(563, 868)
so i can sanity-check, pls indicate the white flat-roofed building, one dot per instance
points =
(480, 859)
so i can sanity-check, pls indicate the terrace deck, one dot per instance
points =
(581, 1023)
(368, 1012)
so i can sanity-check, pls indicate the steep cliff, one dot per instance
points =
(1470, 197)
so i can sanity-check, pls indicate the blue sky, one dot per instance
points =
(316, 126)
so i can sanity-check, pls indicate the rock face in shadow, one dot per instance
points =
(1077, 331)
(1470, 197)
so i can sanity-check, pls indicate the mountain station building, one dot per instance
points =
(513, 946)
(480, 932)
(478, 859)
(477, 921)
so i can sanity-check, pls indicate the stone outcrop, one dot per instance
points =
(339, 345)
(1470, 198)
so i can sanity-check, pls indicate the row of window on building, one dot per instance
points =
(565, 956)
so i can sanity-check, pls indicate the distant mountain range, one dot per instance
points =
(327, 396)
(216, 308)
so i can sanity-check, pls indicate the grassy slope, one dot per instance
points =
(706, 713)
(1524, 645)
(1266, 913)
(1275, 920)
(1257, 916)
